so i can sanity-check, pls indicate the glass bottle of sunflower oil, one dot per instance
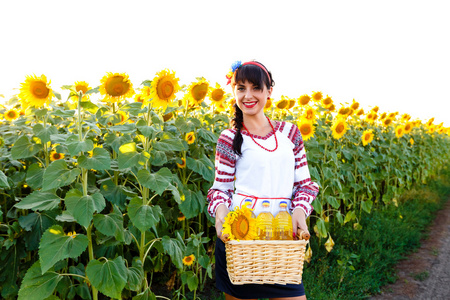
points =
(264, 222)
(248, 202)
(283, 223)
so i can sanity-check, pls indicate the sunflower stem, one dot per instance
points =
(91, 257)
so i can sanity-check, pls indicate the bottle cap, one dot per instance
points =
(266, 203)
(283, 204)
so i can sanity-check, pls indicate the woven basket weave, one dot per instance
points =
(265, 261)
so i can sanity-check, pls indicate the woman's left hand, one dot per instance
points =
(299, 221)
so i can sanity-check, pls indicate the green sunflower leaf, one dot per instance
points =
(81, 207)
(109, 276)
(23, 148)
(3, 180)
(75, 146)
(44, 133)
(58, 174)
(37, 285)
(143, 216)
(55, 246)
(35, 176)
(100, 160)
(157, 182)
(110, 224)
(39, 200)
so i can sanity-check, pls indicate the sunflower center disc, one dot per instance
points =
(166, 90)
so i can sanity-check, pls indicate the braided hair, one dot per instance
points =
(256, 76)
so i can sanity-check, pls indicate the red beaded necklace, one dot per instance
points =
(273, 130)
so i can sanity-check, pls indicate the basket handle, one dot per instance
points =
(303, 235)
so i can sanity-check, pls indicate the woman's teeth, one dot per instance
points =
(249, 104)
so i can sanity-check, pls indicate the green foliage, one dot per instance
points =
(119, 212)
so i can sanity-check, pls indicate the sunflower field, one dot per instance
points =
(103, 191)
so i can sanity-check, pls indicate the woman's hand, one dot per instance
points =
(221, 212)
(299, 221)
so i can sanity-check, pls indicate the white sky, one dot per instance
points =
(394, 54)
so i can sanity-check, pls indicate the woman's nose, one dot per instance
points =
(248, 94)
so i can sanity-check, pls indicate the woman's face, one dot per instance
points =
(250, 98)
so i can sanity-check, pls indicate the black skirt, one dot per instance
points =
(250, 291)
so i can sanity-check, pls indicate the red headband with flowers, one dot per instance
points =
(238, 63)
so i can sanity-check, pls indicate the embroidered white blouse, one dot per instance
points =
(282, 175)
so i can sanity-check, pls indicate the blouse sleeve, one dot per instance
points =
(225, 162)
(305, 190)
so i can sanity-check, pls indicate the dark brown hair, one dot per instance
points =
(258, 77)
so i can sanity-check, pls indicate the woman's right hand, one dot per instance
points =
(221, 212)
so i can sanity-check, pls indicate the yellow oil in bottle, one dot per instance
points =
(264, 222)
(283, 223)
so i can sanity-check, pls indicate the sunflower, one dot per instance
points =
(81, 86)
(317, 96)
(55, 155)
(190, 137)
(189, 260)
(143, 96)
(339, 128)
(367, 137)
(268, 104)
(355, 105)
(392, 115)
(291, 103)
(431, 128)
(329, 244)
(183, 164)
(123, 117)
(216, 94)
(181, 217)
(167, 116)
(430, 121)
(306, 129)
(164, 87)
(35, 91)
(304, 99)
(11, 115)
(386, 122)
(411, 141)
(360, 112)
(331, 108)
(196, 92)
(116, 87)
(309, 113)
(408, 127)
(343, 111)
(139, 98)
(399, 131)
(222, 106)
(327, 102)
(375, 109)
(405, 118)
(371, 117)
(383, 116)
(308, 254)
(283, 103)
(239, 224)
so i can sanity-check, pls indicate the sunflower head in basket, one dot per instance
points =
(240, 224)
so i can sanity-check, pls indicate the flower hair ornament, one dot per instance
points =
(237, 64)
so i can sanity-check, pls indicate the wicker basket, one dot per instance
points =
(265, 261)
